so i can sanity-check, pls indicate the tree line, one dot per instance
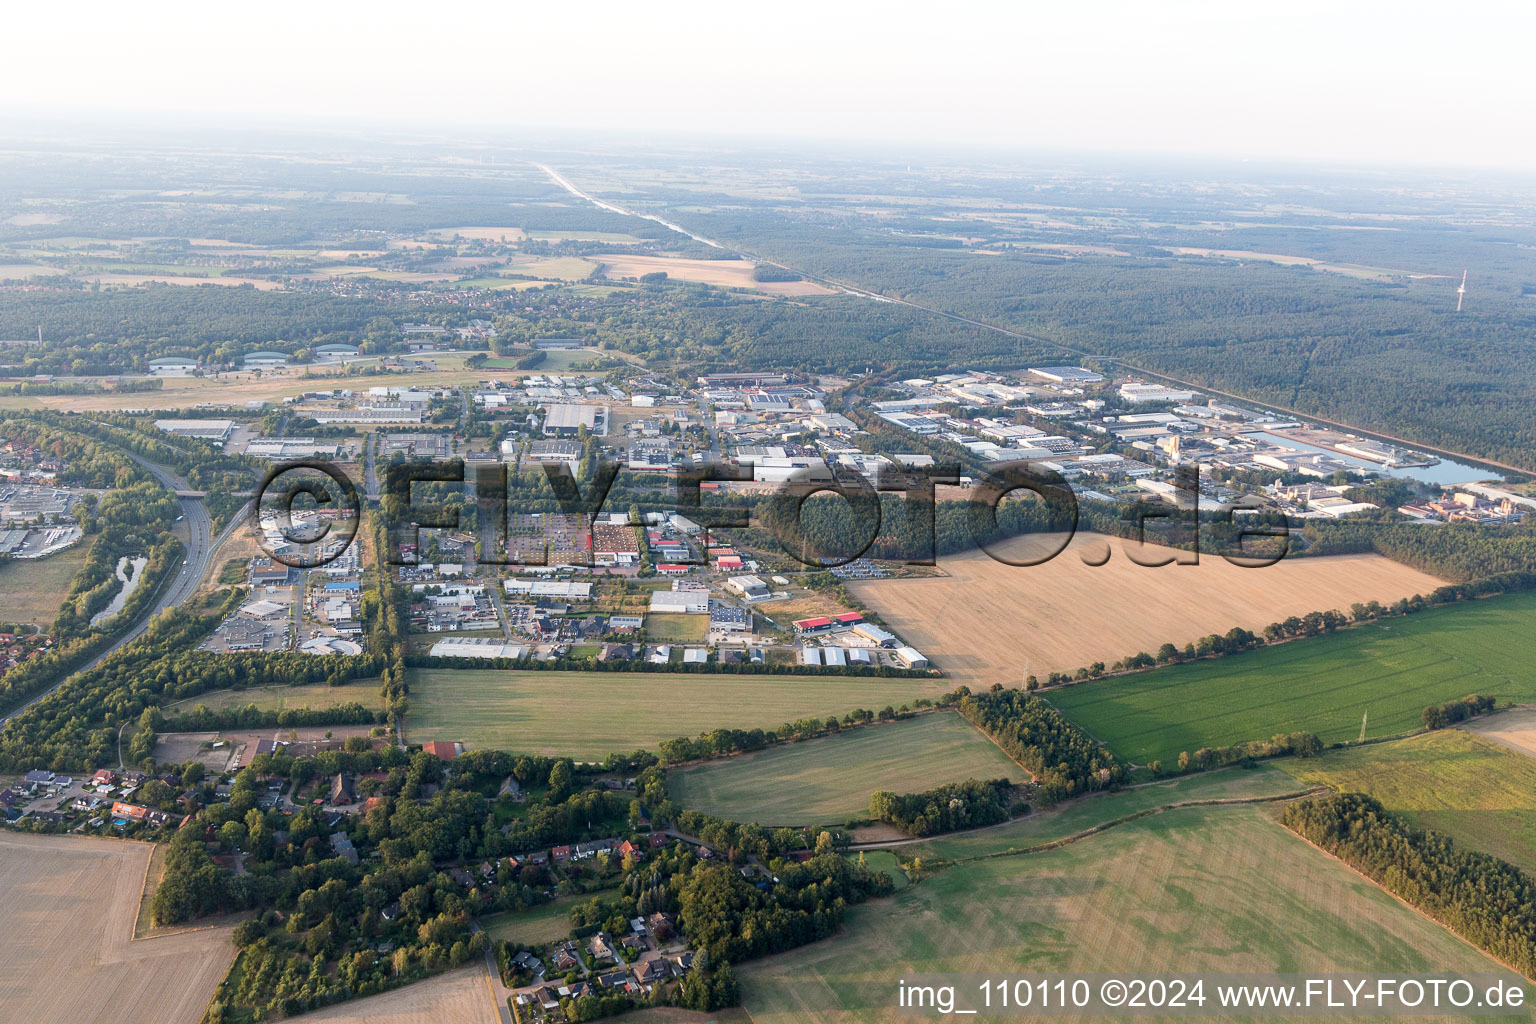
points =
(952, 807)
(1487, 901)
(1064, 759)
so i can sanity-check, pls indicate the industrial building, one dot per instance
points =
(217, 431)
(567, 420)
(1136, 393)
(475, 647)
(1067, 374)
(750, 587)
(687, 602)
(727, 618)
(283, 448)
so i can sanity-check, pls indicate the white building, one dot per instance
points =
(475, 647)
(207, 430)
(750, 587)
(686, 602)
(1136, 393)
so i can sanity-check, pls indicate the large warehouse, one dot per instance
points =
(566, 420)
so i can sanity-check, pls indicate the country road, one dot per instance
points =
(196, 532)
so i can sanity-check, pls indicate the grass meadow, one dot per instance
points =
(1206, 889)
(282, 698)
(1476, 791)
(667, 627)
(548, 922)
(1076, 816)
(1389, 669)
(589, 715)
(31, 590)
(830, 779)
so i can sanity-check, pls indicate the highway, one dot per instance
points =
(196, 533)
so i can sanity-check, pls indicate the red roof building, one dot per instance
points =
(441, 749)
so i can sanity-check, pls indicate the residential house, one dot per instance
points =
(341, 791)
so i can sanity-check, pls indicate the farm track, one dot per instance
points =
(1081, 834)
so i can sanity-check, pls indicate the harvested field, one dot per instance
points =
(725, 273)
(987, 622)
(1196, 889)
(1515, 729)
(493, 234)
(462, 997)
(9, 271)
(830, 779)
(66, 953)
(589, 715)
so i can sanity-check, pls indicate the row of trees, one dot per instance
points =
(1294, 744)
(723, 742)
(1438, 716)
(1488, 902)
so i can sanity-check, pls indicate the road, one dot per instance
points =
(370, 471)
(1038, 339)
(196, 533)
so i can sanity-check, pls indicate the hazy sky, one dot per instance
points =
(1337, 81)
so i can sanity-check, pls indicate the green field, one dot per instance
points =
(682, 629)
(1475, 791)
(829, 780)
(886, 861)
(1076, 816)
(563, 268)
(562, 359)
(279, 698)
(1198, 889)
(589, 715)
(1390, 669)
(31, 590)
